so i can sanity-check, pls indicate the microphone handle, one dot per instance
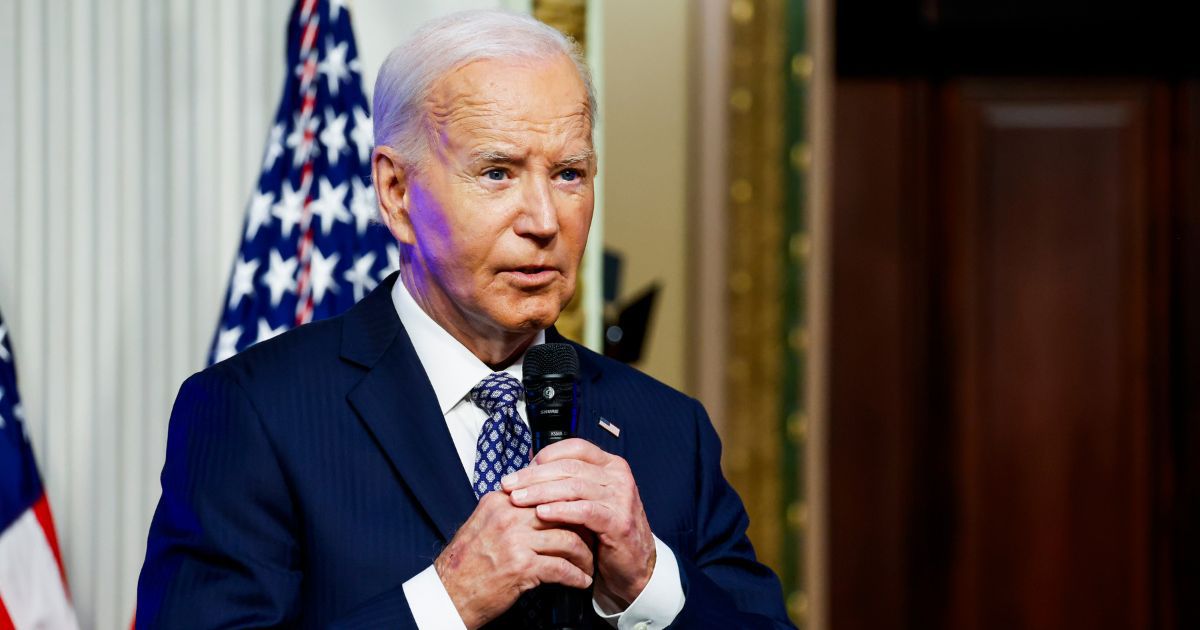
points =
(551, 409)
(550, 404)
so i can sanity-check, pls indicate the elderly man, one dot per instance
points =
(328, 476)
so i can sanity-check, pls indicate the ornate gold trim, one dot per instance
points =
(756, 176)
(570, 18)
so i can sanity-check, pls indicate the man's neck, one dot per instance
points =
(496, 348)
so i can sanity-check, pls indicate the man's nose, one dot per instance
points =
(539, 215)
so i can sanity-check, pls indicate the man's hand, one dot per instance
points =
(574, 482)
(504, 550)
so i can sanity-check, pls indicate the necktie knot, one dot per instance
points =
(498, 390)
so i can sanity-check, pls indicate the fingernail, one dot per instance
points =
(544, 510)
(508, 480)
(519, 495)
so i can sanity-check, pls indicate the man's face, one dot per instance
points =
(500, 209)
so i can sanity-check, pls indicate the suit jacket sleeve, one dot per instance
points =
(223, 550)
(724, 585)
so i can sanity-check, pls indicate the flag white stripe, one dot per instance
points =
(30, 584)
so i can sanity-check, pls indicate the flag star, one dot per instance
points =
(265, 331)
(362, 205)
(290, 209)
(334, 136)
(4, 355)
(330, 205)
(363, 134)
(18, 412)
(227, 341)
(295, 139)
(322, 274)
(243, 280)
(280, 277)
(274, 147)
(1, 415)
(360, 275)
(393, 256)
(296, 134)
(260, 212)
(335, 9)
(334, 65)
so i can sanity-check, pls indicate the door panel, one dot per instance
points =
(1049, 289)
(1012, 283)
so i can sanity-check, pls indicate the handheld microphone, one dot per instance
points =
(551, 381)
(551, 375)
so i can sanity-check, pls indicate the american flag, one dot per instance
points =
(309, 247)
(33, 586)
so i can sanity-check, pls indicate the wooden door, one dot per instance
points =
(1013, 321)
(1054, 197)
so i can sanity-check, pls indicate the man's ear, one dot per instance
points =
(391, 178)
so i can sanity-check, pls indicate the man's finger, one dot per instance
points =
(574, 448)
(568, 489)
(565, 544)
(553, 471)
(555, 570)
(593, 515)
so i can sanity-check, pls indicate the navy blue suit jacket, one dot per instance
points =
(309, 476)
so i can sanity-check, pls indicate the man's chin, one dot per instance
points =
(531, 314)
(531, 323)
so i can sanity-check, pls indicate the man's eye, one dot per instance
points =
(570, 175)
(495, 174)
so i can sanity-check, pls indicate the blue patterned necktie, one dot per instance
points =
(504, 443)
(504, 446)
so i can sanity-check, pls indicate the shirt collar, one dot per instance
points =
(450, 366)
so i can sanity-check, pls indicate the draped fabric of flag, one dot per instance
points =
(309, 247)
(33, 585)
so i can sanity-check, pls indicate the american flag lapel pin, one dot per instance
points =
(610, 427)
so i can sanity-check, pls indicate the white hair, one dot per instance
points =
(445, 44)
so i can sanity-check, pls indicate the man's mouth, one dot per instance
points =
(532, 276)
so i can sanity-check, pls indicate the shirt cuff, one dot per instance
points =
(430, 604)
(657, 605)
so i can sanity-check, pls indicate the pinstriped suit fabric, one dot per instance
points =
(308, 477)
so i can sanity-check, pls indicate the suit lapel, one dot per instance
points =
(397, 405)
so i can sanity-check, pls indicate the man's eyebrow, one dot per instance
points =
(493, 156)
(576, 158)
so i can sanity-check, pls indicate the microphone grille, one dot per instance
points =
(551, 358)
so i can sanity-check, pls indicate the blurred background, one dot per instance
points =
(933, 266)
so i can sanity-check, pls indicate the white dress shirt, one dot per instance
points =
(454, 371)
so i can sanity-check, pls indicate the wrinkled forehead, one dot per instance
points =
(510, 101)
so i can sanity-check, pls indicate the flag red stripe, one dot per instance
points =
(307, 9)
(310, 34)
(41, 510)
(5, 621)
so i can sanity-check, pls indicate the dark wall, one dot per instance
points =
(1031, 37)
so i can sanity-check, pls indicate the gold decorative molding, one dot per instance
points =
(570, 18)
(756, 176)
(769, 248)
